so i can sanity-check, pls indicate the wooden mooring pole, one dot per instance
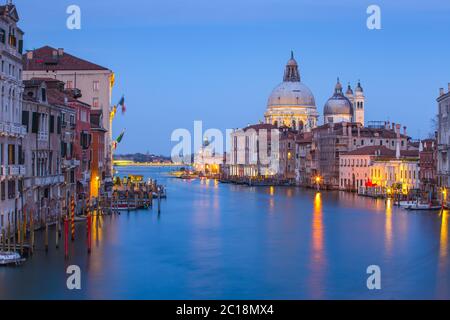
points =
(66, 238)
(89, 224)
(46, 237)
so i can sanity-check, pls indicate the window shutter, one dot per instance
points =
(58, 125)
(52, 124)
(35, 124)
(20, 49)
(25, 119)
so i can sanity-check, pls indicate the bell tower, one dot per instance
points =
(359, 104)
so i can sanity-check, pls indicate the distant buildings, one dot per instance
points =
(207, 162)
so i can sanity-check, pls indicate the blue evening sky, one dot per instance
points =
(178, 61)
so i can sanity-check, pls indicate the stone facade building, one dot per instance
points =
(94, 82)
(254, 152)
(98, 170)
(12, 169)
(287, 155)
(443, 139)
(303, 159)
(42, 146)
(333, 139)
(428, 166)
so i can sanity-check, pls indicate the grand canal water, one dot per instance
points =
(220, 241)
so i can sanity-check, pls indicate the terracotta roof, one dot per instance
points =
(363, 131)
(305, 137)
(260, 126)
(381, 151)
(47, 58)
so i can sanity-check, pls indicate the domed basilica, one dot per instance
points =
(292, 103)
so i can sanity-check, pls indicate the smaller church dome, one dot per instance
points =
(359, 88)
(338, 104)
(349, 90)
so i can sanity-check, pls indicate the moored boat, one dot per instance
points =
(8, 258)
(422, 206)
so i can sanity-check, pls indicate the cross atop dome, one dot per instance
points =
(291, 73)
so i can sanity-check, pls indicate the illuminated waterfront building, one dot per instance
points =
(254, 151)
(287, 155)
(428, 167)
(378, 166)
(206, 161)
(332, 140)
(98, 170)
(402, 171)
(443, 139)
(304, 155)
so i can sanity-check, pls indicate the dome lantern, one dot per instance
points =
(291, 73)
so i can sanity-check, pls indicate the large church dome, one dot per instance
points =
(292, 103)
(291, 92)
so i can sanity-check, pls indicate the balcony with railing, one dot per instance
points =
(42, 136)
(3, 171)
(48, 180)
(12, 129)
(71, 163)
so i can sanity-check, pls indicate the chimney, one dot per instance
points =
(60, 52)
(449, 87)
(441, 91)
(404, 130)
(397, 129)
(29, 55)
(397, 149)
(393, 126)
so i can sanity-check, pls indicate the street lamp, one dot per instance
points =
(318, 182)
(444, 197)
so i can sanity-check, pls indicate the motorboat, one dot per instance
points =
(422, 206)
(8, 258)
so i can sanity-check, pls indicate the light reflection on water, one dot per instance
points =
(225, 241)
